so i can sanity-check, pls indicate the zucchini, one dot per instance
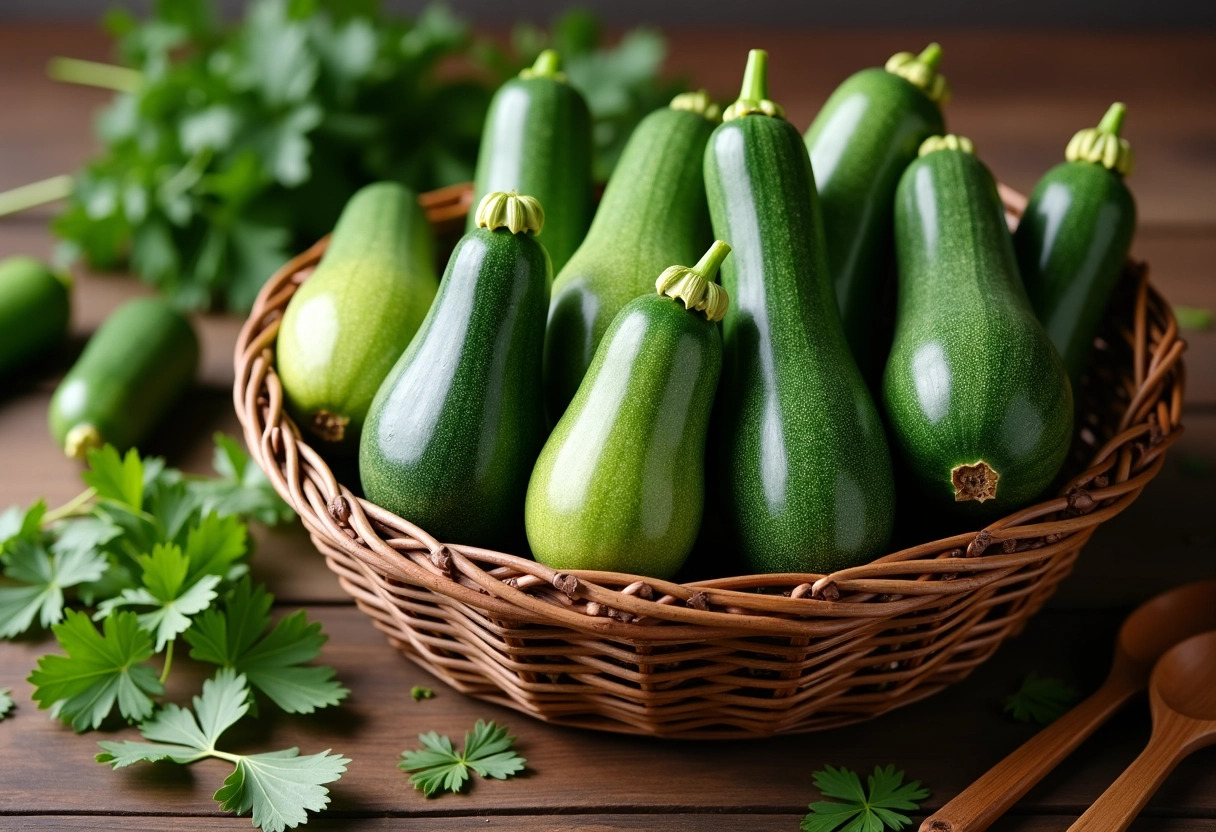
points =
(34, 311)
(134, 368)
(351, 320)
(806, 477)
(1074, 238)
(620, 484)
(653, 214)
(537, 141)
(866, 134)
(454, 429)
(977, 399)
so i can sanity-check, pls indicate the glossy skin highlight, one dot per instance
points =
(620, 484)
(352, 319)
(1071, 244)
(653, 214)
(803, 469)
(972, 375)
(861, 141)
(453, 432)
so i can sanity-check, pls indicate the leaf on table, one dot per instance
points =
(41, 576)
(1041, 700)
(167, 589)
(418, 693)
(280, 787)
(16, 525)
(877, 807)
(6, 702)
(1193, 318)
(242, 487)
(273, 661)
(116, 478)
(437, 766)
(99, 670)
(214, 546)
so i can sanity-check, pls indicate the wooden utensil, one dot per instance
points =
(1153, 628)
(1182, 694)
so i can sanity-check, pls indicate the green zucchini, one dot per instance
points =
(537, 141)
(620, 484)
(806, 476)
(352, 319)
(977, 399)
(134, 368)
(455, 428)
(1074, 238)
(653, 214)
(34, 311)
(866, 134)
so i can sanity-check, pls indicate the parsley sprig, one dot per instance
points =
(158, 556)
(280, 787)
(437, 766)
(877, 807)
(1041, 699)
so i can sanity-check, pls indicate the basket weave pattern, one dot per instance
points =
(733, 657)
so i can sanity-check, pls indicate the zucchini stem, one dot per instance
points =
(921, 72)
(34, 194)
(931, 55)
(711, 260)
(1112, 122)
(517, 213)
(1102, 145)
(548, 64)
(695, 287)
(94, 74)
(753, 93)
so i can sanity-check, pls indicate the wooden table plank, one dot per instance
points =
(945, 741)
(707, 822)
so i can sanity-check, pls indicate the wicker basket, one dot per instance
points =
(747, 656)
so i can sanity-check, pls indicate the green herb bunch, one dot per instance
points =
(144, 559)
(227, 148)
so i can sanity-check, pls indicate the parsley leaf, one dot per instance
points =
(862, 810)
(166, 588)
(1041, 700)
(418, 693)
(16, 525)
(280, 787)
(116, 478)
(42, 577)
(6, 701)
(98, 670)
(437, 766)
(236, 638)
(242, 487)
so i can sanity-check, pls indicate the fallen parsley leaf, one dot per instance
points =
(1193, 318)
(437, 766)
(242, 487)
(1041, 700)
(168, 590)
(418, 693)
(236, 638)
(280, 787)
(863, 810)
(6, 702)
(41, 577)
(99, 670)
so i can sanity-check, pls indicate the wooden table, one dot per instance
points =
(1020, 98)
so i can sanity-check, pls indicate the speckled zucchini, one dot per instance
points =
(977, 399)
(454, 430)
(804, 470)
(1074, 238)
(620, 484)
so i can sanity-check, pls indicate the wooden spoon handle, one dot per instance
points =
(989, 797)
(1118, 806)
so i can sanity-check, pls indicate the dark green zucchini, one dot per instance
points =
(453, 432)
(653, 214)
(34, 311)
(351, 320)
(805, 473)
(1074, 238)
(620, 484)
(866, 134)
(977, 399)
(537, 141)
(137, 364)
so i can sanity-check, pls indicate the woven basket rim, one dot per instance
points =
(931, 575)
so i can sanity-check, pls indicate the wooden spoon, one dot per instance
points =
(1152, 629)
(1182, 694)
